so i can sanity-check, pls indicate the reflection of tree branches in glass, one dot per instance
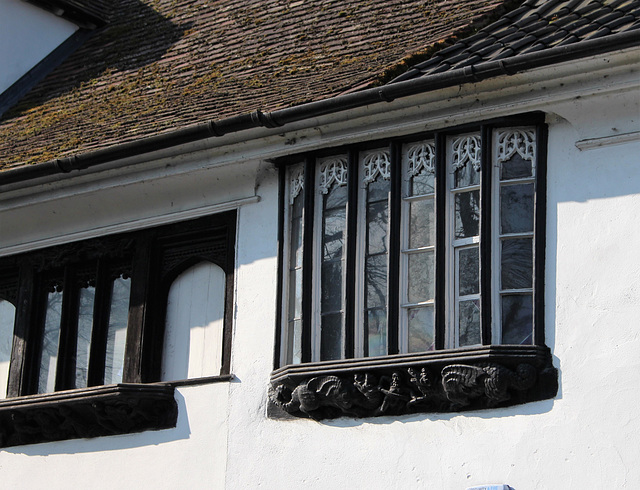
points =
(7, 316)
(376, 263)
(517, 320)
(117, 331)
(50, 341)
(467, 214)
(85, 327)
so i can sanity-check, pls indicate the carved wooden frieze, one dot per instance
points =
(92, 412)
(411, 387)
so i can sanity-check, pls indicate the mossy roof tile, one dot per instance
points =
(160, 65)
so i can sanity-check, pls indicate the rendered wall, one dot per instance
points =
(584, 438)
(27, 35)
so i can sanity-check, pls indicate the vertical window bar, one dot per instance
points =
(100, 326)
(66, 369)
(441, 244)
(540, 197)
(138, 320)
(351, 257)
(292, 350)
(395, 213)
(21, 371)
(280, 355)
(307, 259)
(485, 234)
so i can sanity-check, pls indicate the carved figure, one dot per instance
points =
(395, 396)
(428, 388)
(462, 383)
(325, 391)
(367, 385)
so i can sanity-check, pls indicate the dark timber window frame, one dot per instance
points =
(152, 258)
(394, 371)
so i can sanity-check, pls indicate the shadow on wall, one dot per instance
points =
(113, 443)
(135, 36)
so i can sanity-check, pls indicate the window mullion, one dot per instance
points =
(485, 235)
(441, 244)
(20, 376)
(100, 325)
(138, 319)
(540, 210)
(66, 366)
(351, 301)
(395, 213)
(307, 259)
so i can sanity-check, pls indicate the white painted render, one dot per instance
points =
(586, 437)
(27, 35)
(192, 346)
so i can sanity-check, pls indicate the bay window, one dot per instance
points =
(407, 250)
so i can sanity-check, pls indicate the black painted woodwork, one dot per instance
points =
(439, 381)
(152, 258)
(328, 386)
(90, 412)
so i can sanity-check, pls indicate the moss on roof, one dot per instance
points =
(161, 65)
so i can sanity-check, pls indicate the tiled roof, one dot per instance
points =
(535, 26)
(86, 13)
(162, 65)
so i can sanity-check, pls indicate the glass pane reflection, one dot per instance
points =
(467, 214)
(117, 330)
(50, 343)
(421, 329)
(469, 322)
(7, 318)
(85, 327)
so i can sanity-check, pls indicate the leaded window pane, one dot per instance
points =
(332, 338)
(85, 328)
(467, 214)
(117, 330)
(50, 342)
(377, 225)
(376, 281)
(376, 328)
(517, 319)
(7, 318)
(422, 229)
(421, 329)
(516, 208)
(469, 271)
(421, 277)
(516, 270)
(469, 323)
(516, 168)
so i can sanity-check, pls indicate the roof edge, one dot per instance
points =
(82, 17)
(282, 117)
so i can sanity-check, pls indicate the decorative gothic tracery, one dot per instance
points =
(297, 183)
(376, 164)
(421, 158)
(466, 149)
(332, 171)
(520, 141)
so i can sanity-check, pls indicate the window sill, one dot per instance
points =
(437, 381)
(91, 412)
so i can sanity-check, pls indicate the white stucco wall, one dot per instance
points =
(27, 35)
(586, 437)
